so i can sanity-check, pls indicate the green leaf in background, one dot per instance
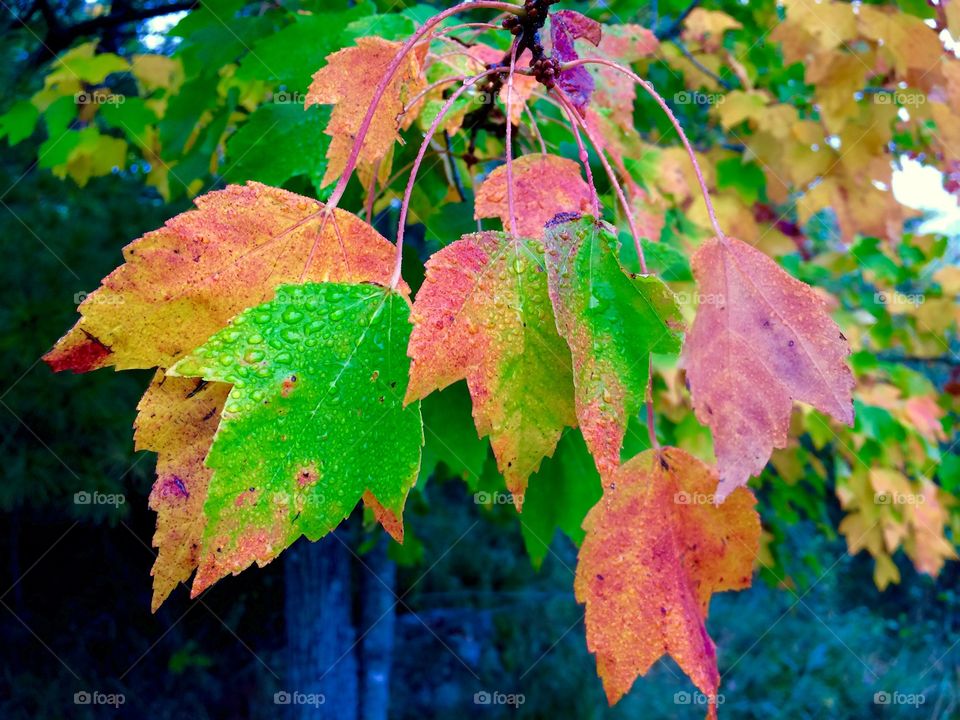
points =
(559, 496)
(451, 437)
(18, 122)
(277, 142)
(291, 55)
(612, 322)
(314, 422)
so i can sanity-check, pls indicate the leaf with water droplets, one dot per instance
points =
(177, 418)
(314, 422)
(483, 314)
(761, 339)
(655, 551)
(349, 81)
(183, 282)
(612, 322)
(543, 186)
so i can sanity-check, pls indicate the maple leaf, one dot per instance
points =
(181, 283)
(655, 551)
(559, 497)
(483, 314)
(614, 91)
(707, 27)
(349, 81)
(319, 375)
(543, 186)
(761, 339)
(177, 419)
(612, 323)
(566, 26)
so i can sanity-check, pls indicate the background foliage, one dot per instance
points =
(799, 128)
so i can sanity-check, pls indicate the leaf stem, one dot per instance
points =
(535, 128)
(435, 125)
(652, 92)
(391, 71)
(511, 201)
(617, 187)
(584, 158)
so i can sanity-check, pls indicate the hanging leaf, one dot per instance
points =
(348, 82)
(319, 375)
(181, 283)
(559, 497)
(543, 186)
(565, 27)
(612, 322)
(761, 339)
(483, 314)
(656, 549)
(177, 419)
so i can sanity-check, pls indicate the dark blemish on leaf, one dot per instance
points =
(213, 411)
(766, 323)
(599, 577)
(791, 343)
(560, 218)
(663, 610)
(374, 376)
(201, 384)
(180, 486)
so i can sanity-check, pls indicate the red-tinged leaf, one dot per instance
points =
(578, 25)
(483, 314)
(656, 549)
(566, 26)
(183, 282)
(616, 92)
(177, 420)
(761, 340)
(612, 322)
(348, 82)
(543, 185)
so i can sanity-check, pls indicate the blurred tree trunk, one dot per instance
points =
(377, 620)
(329, 595)
(321, 635)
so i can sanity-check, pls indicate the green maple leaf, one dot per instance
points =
(612, 321)
(314, 421)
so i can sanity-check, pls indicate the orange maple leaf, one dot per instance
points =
(656, 549)
(349, 81)
(543, 186)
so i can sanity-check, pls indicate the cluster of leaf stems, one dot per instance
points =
(525, 22)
